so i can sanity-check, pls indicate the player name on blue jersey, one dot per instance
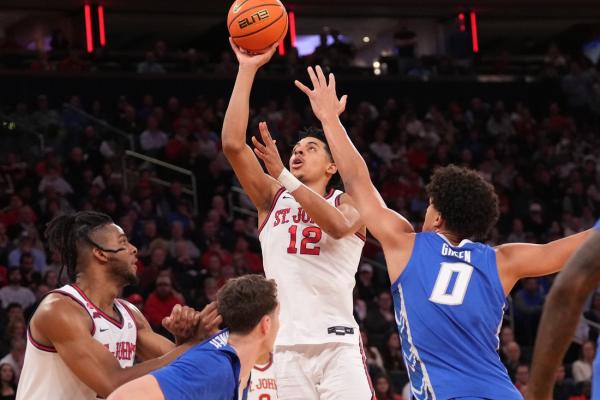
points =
(463, 255)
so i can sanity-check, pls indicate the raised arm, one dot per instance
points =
(562, 311)
(89, 360)
(337, 222)
(260, 187)
(522, 260)
(385, 225)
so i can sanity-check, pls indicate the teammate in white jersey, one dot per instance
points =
(311, 242)
(263, 384)
(82, 339)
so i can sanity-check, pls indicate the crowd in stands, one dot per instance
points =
(400, 58)
(544, 168)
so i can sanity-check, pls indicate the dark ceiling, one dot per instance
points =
(588, 9)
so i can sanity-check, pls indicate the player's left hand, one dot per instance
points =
(323, 97)
(182, 323)
(268, 151)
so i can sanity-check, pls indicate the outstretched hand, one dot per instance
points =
(254, 60)
(268, 151)
(323, 97)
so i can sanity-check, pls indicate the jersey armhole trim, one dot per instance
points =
(37, 345)
(337, 204)
(273, 203)
(51, 349)
(93, 330)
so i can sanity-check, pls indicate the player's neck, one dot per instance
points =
(101, 290)
(247, 351)
(319, 186)
(451, 237)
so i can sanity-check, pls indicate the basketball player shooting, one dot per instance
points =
(82, 339)
(311, 243)
(449, 292)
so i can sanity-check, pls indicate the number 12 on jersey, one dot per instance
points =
(455, 297)
(308, 245)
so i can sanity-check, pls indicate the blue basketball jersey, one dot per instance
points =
(596, 366)
(449, 304)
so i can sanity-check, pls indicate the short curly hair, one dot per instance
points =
(467, 202)
(243, 301)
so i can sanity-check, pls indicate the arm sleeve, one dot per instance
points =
(197, 375)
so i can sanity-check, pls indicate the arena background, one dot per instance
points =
(121, 112)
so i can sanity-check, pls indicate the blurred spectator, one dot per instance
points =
(150, 65)
(374, 359)
(564, 387)
(55, 181)
(8, 382)
(528, 303)
(380, 319)
(73, 62)
(364, 283)
(522, 377)
(584, 391)
(177, 237)
(26, 246)
(14, 292)
(16, 357)
(582, 368)
(153, 140)
(511, 356)
(160, 302)
(384, 389)
(392, 355)
(6, 245)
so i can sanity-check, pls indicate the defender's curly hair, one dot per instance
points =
(466, 201)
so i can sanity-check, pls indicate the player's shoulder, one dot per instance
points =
(59, 310)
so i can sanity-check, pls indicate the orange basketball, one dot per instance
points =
(256, 25)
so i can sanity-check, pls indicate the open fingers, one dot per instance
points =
(303, 87)
(343, 102)
(313, 77)
(331, 81)
(321, 76)
(264, 132)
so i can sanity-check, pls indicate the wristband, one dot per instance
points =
(289, 181)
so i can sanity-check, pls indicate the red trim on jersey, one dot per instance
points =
(331, 192)
(273, 203)
(364, 358)
(37, 345)
(338, 199)
(124, 304)
(118, 324)
(267, 366)
(337, 204)
(93, 331)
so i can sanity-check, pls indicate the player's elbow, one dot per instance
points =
(572, 289)
(231, 147)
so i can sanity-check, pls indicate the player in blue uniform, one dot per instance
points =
(562, 312)
(216, 368)
(448, 291)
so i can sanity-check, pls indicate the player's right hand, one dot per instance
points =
(209, 321)
(268, 151)
(252, 60)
